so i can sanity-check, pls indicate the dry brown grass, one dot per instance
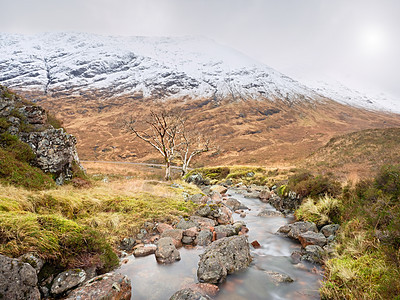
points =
(244, 134)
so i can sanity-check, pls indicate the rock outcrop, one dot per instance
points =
(18, 280)
(54, 149)
(55, 152)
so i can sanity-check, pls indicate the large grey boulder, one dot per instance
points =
(67, 280)
(18, 280)
(223, 257)
(189, 294)
(110, 286)
(166, 251)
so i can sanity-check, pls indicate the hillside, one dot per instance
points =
(251, 132)
(357, 154)
(255, 114)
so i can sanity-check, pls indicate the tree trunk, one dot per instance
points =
(167, 170)
(184, 168)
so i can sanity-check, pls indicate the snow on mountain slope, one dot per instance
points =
(162, 67)
(171, 67)
(337, 91)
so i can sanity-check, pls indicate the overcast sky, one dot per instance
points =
(356, 42)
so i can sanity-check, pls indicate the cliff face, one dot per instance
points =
(54, 149)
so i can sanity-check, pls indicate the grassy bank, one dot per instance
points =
(366, 260)
(77, 227)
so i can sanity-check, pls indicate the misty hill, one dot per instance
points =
(150, 67)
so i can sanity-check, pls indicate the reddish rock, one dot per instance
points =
(144, 250)
(110, 286)
(175, 234)
(204, 288)
(154, 238)
(163, 227)
(226, 216)
(203, 222)
(255, 244)
(219, 189)
(191, 232)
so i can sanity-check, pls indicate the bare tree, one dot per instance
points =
(192, 143)
(162, 132)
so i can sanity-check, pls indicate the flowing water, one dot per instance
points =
(151, 280)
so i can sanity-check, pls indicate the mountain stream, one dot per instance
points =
(151, 280)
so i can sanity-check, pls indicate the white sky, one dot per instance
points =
(356, 42)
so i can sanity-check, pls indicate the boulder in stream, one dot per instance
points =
(166, 252)
(189, 294)
(223, 257)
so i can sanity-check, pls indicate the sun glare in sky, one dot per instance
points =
(373, 41)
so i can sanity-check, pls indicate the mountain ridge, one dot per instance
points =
(154, 67)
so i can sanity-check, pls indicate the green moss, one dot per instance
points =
(4, 124)
(55, 239)
(19, 173)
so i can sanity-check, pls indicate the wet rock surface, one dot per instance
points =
(223, 257)
(18, 280)
(166, 251)
(189, 294)
(109, 286)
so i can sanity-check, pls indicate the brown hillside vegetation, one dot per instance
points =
(247, 132)
(357, 154)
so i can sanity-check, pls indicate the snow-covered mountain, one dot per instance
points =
(193, 67)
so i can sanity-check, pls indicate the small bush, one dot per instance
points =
(323, 211)
(53, 121)
(307, 185)
(388, 181)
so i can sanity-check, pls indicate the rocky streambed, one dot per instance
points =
(238, 253)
